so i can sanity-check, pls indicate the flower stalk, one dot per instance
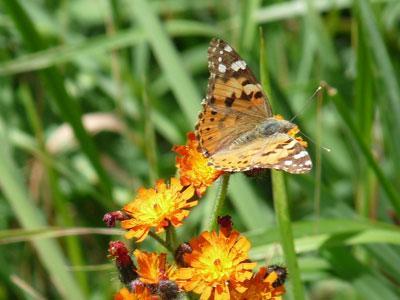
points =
(219, 202)
(286, 233)
(161, 241)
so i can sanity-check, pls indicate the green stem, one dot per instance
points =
(219, 202)
(281, 204)
(318, 156)
(161, 242)
(171, 238)
(286, 233)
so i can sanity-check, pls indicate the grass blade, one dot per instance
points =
(386, 70)
(68, 108)
(167, 56)
(30, 217)
(62, 54)
(388, 188)
(290, 9)
(253, 212)
(281, 207)
(60, 202)
(249, 24)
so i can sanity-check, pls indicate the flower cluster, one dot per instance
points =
(151, 278)
(215, 264)
(167, 203)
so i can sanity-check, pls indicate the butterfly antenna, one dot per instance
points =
(322, 85)
(308, 102)
(312, 141)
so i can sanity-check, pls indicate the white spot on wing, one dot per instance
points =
(240, 64)
(219, 59)
(248, 88)
(291, 144)
(221, 68)
(300, 155)
(288, 162)
(308, 163)
(221, 52)
(228, 48)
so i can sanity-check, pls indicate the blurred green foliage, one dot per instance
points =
(126, 79)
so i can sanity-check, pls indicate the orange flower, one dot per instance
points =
(216, 264)
(152, 267)
(193, 166)
(154, 271)
(141, 293)
(262, 286)
(159, 207)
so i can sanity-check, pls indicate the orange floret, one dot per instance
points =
(152, 267)
(157, 208)
(193, 166)
(141, 293)
(216, 264)
(261, 287)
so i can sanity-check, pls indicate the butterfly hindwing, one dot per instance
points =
(279, 151)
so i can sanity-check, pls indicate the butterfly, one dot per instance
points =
(236, 129)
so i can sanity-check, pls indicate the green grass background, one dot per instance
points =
(93, 94)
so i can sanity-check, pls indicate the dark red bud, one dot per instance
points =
(168, 290)
(111, 218)
(124, 263)
(225, 225)
(180, 252)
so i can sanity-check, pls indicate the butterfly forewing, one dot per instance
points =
(232, 84)
(235, 102)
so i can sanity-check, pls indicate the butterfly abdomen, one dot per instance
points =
(245, 138)
(267, 128)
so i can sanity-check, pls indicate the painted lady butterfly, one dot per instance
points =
(236, 129)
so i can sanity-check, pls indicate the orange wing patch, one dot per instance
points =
(218, 127)
(238, 94)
